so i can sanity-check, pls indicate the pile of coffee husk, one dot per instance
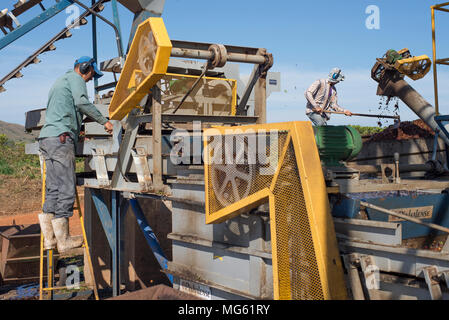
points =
(405, 131)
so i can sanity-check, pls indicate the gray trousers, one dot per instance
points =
(60, 183)
(317, 119)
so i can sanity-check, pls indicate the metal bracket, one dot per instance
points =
(143, 171)
(14, 18)
(384, 167)
(431, 277)
(100, 167)
(150, 237)
(124, 153)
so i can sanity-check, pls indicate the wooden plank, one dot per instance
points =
(23, 259)
(4, 256)
(406, 185)
(260, 104)
(157, 139)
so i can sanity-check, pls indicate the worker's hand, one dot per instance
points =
(318, 110)
(108, 127)
(348, 113)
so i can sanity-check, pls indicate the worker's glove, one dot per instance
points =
(318, 110)
(108, 127)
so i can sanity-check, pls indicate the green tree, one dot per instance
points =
(3, 140)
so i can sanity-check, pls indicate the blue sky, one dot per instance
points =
(306, 38)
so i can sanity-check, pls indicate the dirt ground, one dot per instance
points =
(19, 196)
(21, 202)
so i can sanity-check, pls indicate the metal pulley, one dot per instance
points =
(219, 55)
(402, 62)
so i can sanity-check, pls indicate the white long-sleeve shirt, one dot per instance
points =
(320, 95)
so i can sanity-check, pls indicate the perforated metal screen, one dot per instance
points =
(299, 277)
(247, 166)
(211, 96)
(237, 170)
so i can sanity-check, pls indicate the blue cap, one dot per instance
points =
(98, 73)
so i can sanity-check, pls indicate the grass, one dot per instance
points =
(15, 163)
(365, 131)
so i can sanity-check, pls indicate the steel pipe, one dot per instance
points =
(117, 32)
(207, 55)
(402, 216)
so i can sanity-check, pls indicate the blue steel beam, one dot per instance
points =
(105, 217)
(33, 23)
(112, 225)
(439, 120)
(94, 47)
(117, 22)
(150, 237)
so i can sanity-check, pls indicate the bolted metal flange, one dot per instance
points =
(219, 55)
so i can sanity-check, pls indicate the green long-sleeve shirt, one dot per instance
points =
(67, 102)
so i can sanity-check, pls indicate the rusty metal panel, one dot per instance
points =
(213, 96)
(136, 6)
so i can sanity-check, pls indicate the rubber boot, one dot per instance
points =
(47, 230)
(64, 241)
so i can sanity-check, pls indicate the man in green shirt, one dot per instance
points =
(67, 103)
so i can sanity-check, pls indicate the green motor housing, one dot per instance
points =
(337, 144)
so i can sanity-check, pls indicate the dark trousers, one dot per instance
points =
(60, 182)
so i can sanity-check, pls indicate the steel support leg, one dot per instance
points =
(150, 237)
(94, 48)
(115, 209)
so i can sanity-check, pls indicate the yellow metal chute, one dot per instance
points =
(278, 163)
(146, 63)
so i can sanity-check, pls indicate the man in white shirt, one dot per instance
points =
(322, 96)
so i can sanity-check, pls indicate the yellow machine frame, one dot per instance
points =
(440, 7)
(124, 99)
(324, 242)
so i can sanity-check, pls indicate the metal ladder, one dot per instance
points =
(48, 46)
(50, 255)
